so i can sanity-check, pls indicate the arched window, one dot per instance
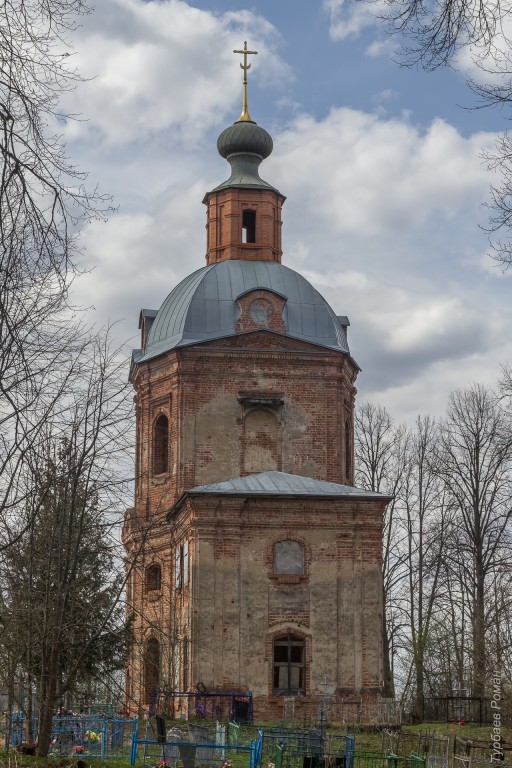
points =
(288, 665)
(151, 668)
(161, 445)
(153, 577)
(288, 557)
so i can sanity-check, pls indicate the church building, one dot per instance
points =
(254, 564)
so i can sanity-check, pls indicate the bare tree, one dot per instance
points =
(432, 35)
(435, 32)
(425, 521)
(380, 460)
(61, 576)
(42, 202)
(475, 462)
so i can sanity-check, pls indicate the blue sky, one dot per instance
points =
(381, 169)
(327, 70)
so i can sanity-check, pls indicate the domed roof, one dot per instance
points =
(245, 136)
(204, 306)
(244, 145)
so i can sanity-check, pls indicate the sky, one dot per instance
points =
(381, 166)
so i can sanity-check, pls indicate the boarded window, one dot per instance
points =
(185, 563)
(288, 665)
(151, 669)
(178, 566)
(161, 445)
(153, 577)
(288, 557)
(181, 565)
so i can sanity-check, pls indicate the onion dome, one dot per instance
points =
(244, 145)
(245, 138)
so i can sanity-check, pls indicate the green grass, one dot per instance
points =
(367, 740)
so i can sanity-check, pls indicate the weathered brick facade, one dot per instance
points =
(269, 584)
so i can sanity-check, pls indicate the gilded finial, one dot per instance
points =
(245, 66)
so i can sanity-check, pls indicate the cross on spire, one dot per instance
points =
(245, 66)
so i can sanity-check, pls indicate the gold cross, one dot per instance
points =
(245, 66)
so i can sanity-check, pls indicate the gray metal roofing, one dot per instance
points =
(281, 484)
(204, 306)
(244, 175)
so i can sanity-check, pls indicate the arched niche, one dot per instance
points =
(151, 668)
(161, 445)
(261, 441)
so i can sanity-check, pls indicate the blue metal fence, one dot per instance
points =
(152, 751)
(91, 736)
(18, 721)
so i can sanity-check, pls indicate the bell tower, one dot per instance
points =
(244, 212)
(253, 563)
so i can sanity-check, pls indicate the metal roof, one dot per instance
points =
(244, 144)
(281, 484)
(204, 306)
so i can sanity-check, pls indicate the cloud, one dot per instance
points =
(371, 176)
(163, 66)
(135, 259)
(381, 213)
(387, 47)
(414, 348)
(348, 19)
(380, 217)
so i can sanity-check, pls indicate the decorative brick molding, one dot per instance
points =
(261, 309)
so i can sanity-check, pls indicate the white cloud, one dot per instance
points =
(155, 66)
(372, 176)
(381, 214)
(387, 47)
(377, 217)
(349, 19)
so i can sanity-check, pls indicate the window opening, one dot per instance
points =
(161, 445)
(153, 578)
(248, 226)
(288, 665)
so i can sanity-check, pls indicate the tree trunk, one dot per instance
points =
(30, 731)
(479, 655)
(47, 706)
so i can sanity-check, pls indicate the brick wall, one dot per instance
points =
(201, 390)
(257, 401)
(224, 225)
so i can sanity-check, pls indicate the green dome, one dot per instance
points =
(244, 145)
(245, 137)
